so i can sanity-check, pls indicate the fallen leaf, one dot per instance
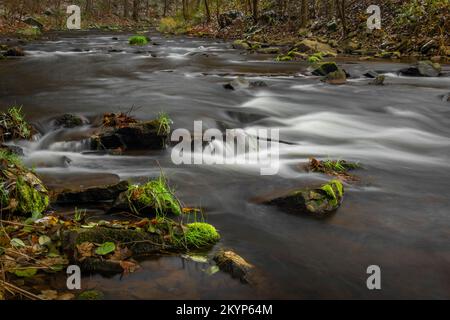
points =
(44, 240)
(85, 250)
(128, 266)
(16, 242)
(105, 248)
(48, 294)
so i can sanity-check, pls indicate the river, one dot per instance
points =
(396, 217)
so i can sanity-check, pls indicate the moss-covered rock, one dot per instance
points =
(68, 121)
(317, 202)
(154, 197)
(229, 262)
(241, 45)
(91, 295)
(21, 191)
(336, 77)
(423, 69)
(138, 40)
(324, 68)
(312, 46)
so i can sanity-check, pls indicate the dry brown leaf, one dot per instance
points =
(85, 250)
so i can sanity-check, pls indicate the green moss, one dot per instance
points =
(314, 59)
(29, 200)
(155, 195)
(30, 32)
(197, 235)
(91, 295)
(138, 40)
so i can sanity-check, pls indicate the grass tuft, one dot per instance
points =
(138, 40)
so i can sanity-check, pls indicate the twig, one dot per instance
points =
(13, 288)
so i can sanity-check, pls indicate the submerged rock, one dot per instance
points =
(235, 265)
(14, 52)
(317, 202)
(370, 74)
(423, 69)
(93, 194)
(241, 83)
(69, 121)
(379, 80)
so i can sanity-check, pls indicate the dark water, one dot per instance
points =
(397, 217)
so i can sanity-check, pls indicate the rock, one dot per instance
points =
(22, 191)
(91, 295)
(227, 18)
(270, 50)
(241, 45)
(389, 55)
(325, 68)
(115, 38)
(316, 202)
(14, 52)
(68, 121)
(258, 84)
(436, 59)
(423, 69)
(312, 46)
(336, 77)
(370, 74)
(93, 194)
(446, 97)
(428, 46)
(350, 46)
(238, 83)
(133, 136)
(33, 22)
(332, 26)
(235, 265)
(241, 83)
(154, 197)
(379, 80)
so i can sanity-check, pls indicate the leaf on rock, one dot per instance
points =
(85, 250)
(105, 248)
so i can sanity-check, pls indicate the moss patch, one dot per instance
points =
(198, 234)
(154, 196)
(138, 40)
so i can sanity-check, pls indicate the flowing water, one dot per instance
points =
(397, 216)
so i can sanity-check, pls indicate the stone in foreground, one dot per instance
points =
(235, 265)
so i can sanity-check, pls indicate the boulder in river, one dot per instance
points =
(228, 261)
(324, 68)
(120, 131)
(154, 197)
(241, 45)
(14, 52)
(336, 77)
(370, 74)
(69, 121)
(379, 80)
(423, 69)
(93, 194)
(316, 202)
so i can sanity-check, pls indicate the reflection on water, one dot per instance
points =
(397, 217)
